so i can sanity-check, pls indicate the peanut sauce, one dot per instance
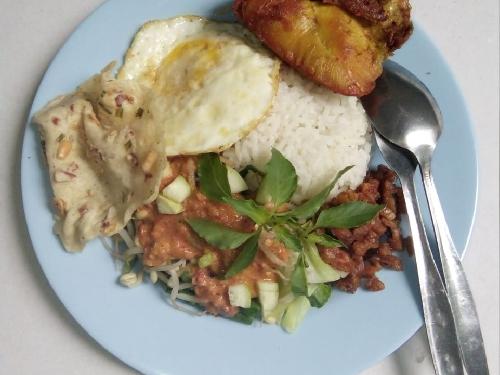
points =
(168, 237)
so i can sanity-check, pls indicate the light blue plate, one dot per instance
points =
(137, 326)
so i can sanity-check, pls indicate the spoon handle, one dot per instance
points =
(460, 295)
(437, 312)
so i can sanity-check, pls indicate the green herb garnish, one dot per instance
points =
(246, 257)
(298, 228)
(206, 260)
(218, 235)
(279, 182)
(299, 280)
(320, 295)
(289, 239)
(325, 240)
(213, 178)
(248, 207)
(348, 215)
(312, 206)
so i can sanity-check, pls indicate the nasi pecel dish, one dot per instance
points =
(208, 166)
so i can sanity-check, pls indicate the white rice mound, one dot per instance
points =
(318, 131)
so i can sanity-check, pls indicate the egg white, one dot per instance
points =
(212, 82)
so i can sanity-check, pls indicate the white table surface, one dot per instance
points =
(37, 335)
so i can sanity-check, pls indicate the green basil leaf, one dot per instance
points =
(249, 208)
(309, 208)
(348, 215)
(247, 316)
(299, 281)
(213, 177)
(245, 257)
(325, 240)
(218, 235)
(280, 181)
(320, 295)
(287, 238)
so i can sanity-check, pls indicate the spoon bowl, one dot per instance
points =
(404, 111)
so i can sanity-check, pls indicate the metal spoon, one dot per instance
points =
(403, 111)
(437, 311)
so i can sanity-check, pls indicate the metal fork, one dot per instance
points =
(438, 316)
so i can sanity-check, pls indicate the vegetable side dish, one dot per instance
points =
(250, 255)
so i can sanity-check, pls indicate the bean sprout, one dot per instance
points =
(126, 238)
(132, 251)
(168, 267)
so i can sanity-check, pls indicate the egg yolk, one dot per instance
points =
(186, 67)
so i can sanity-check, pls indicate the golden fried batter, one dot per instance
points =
(326, 42)
(371, 10)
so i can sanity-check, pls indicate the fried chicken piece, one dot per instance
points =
(370, 10)
(327, 43)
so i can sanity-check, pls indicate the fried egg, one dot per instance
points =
(212, 82)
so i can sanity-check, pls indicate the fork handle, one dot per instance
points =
(460, 296)
(437, 311)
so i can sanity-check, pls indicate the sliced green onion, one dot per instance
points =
(236, 183)
(167, 206)
(295, 314)
(240, 296)
(274, 316)
(178, 190)
(268, 295)
(319, 294)
(206, 260)
(318, 271)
